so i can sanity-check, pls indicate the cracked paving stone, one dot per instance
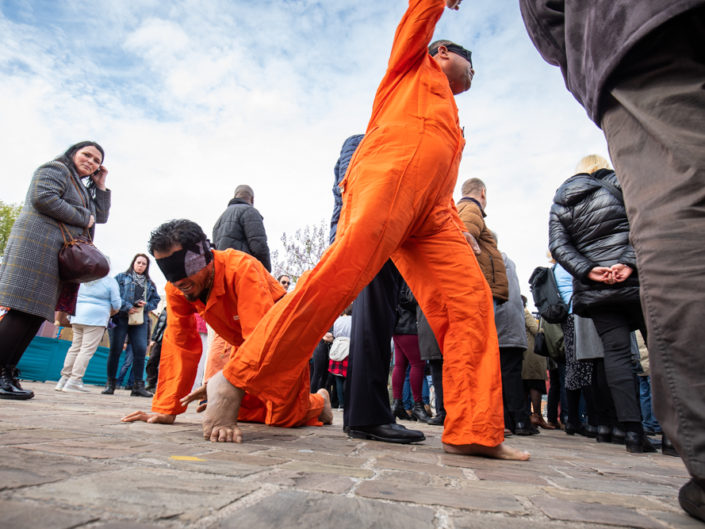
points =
(594, 513)
(302, 509)
(25, 515)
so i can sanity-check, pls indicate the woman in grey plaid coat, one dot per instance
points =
(29, 275)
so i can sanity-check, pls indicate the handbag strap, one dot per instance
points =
(613, 189)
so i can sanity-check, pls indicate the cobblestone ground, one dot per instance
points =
(68, 462)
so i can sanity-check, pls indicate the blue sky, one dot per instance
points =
(191, 98)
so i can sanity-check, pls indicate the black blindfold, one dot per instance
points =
(186, 262)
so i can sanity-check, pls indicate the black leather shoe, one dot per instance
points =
(572, 429)
(590, 431)
(389, 433)
(692, 499)
(524, 428)
(637, 443)
(438, 420)
(399, 412)
(667, 447)
(109, 387)
(618, 435)
(604, 434)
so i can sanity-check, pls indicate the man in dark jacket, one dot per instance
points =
(638, 68)
(241, 227)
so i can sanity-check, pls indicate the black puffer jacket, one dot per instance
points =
(588, 227)
(241, 227)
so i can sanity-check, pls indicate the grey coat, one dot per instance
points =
(509, 316)
(588, 39)
(29, 276)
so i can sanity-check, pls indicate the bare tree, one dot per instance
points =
(302, 250)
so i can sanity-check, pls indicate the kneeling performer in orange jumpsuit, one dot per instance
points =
(232, 291)
(398, 203)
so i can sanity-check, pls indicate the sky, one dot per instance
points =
(191, 98)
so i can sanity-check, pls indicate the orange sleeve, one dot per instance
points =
(414, 33)
(181, 352)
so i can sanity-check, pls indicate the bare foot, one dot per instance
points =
(326, 416)
(501, 451)
(220, 418)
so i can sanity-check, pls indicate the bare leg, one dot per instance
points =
(501, 451)
(220, 418)
(326, 416)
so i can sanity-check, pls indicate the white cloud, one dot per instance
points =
(190, 99)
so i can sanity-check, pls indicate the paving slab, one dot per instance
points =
(68, 462)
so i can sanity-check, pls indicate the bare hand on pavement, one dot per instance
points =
(198, 395)
(161, 418)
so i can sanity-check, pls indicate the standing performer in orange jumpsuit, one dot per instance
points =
(398, 203)
(232, 291)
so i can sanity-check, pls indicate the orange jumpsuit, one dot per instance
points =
(242, 293)
(397, 202)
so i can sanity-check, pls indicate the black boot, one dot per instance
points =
(399, 412)
(667, 447)
(10, 387)
(419, 412)
(604, 434)
(139, 391)
(637, 443)
(109, 387)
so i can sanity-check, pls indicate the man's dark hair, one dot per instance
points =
(179, 231)
(433, 48)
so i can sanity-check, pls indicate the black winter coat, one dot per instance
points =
(240, 227)
(588, 227)
(406, 312)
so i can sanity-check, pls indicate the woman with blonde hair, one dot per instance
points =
(589, 237)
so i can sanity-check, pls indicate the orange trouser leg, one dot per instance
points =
(218, 355)
(444, 276)
(383, 203)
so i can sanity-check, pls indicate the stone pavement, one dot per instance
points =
(68, 462)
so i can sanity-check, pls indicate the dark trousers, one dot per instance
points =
(515, 409)
(319, 367)
(17, 329)
(557, 395)
(152, 367)
(138, 335)
(373, 319)
(614, 325)
(655, 127)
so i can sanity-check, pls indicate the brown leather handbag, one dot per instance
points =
(79, 260)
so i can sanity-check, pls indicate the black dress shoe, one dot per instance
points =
(590, 431)
(692, 499)
(667, 447)
(525, 428)
(572, 429)
(618, 435)
(604, 434)
(438, 420)
(637, 443)
(389, 433)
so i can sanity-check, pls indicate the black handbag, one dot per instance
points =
(540, 345)
(79, 260)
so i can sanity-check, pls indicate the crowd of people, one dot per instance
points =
(622, 240)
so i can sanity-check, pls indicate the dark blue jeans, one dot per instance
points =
(138, 339)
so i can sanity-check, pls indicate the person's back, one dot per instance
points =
(241, 227)
(95, 300)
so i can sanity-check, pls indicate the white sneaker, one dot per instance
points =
(73, 387)
(61, 383)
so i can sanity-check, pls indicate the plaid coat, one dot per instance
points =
(29, 275)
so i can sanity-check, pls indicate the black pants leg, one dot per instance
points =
(515, 408)
(152, 367)
(319, 371)
(17, 329)
(373, 320)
